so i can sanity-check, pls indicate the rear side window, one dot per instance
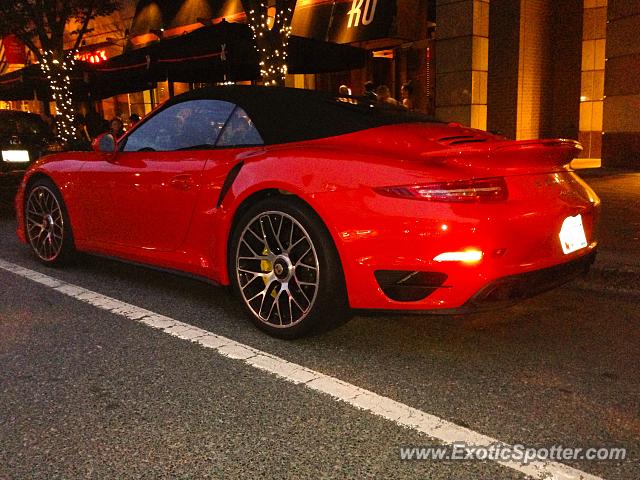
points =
(239, 131)
(187, 125)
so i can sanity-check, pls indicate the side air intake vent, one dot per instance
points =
(409, 286)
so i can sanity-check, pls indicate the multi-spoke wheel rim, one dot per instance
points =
(277, 269)
(45, 225)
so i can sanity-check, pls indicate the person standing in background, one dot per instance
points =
(133, 119)
(95, 124)
(407, 95)
(82, 140)
(116, 128)
(384, 96)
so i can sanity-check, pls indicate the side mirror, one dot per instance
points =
(104, 143)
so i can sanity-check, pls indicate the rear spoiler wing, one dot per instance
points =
(526, 155)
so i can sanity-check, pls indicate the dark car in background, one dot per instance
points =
(24, 137)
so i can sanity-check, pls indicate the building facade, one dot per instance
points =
(542, 68)
(522, 68)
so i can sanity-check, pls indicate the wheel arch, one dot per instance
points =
(38, 175)
(24, 193)
(261, 195)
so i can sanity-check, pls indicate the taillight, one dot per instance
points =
(475, 190)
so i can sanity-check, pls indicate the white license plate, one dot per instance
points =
(572, 235)
(15, 156)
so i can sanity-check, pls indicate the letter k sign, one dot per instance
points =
(357, 12)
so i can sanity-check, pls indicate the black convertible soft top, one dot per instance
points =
(284, 115)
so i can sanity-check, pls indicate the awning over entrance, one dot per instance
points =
(307, 55)
(20, 85)
(215, 53)
(29, 83)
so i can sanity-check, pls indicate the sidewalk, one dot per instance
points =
(617, 266)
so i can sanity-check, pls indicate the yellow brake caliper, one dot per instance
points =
(266, 266)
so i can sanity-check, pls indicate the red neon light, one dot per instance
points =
(98, 56)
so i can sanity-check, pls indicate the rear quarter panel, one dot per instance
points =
(375, 232)
(336, 183)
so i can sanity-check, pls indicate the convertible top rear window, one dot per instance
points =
(284, 115)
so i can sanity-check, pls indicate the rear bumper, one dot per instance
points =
(499, 293)
(514, 288)
(507, 291)
(388, 247)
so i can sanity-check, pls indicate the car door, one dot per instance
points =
(144, 196)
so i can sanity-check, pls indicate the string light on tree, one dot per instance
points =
(271, 34)
(58, 73)
(42, 27)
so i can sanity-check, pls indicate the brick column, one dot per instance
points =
(504, 62)
(462, 61)
(534, 68)
(621, 124)
(592, 90)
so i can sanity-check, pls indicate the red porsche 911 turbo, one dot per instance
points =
(310, 205)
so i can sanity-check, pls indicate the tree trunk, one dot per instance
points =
(271, 33)
(58, 69)
(272, 47)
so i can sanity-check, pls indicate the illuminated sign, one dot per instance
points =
(383, 53)
(358, 11)
(97, 56)
(349, 21)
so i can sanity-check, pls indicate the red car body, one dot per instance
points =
(166, 209)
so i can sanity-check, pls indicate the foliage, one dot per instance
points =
(40, 25)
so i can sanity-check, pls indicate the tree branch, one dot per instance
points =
(85, 25)
(26, 39)
(35, 12)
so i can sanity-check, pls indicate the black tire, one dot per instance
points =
(299, 295)
(47, 224)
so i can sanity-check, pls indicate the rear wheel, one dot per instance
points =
(47, 223)
(284, 266)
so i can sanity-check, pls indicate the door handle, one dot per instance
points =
(182, 182)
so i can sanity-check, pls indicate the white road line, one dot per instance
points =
(404, 415)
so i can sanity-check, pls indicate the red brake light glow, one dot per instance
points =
(474, 190)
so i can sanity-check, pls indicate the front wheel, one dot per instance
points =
(47, 223)
(285, 267)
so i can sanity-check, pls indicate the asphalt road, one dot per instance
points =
(85, 393)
